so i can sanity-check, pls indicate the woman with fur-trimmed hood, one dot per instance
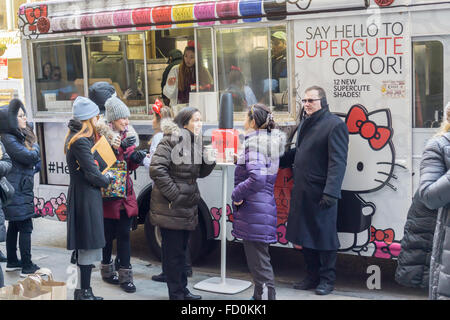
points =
(118, 213)
(255, 210)
(25, 156)
(176, 165)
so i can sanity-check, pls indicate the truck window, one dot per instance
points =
(119, 60)
(252, 65)
(428, 79)
(205, 59)
(58, 73)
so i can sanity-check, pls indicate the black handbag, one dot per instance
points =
(6, 191)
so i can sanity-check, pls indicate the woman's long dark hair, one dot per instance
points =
(186, 75)
(184, 116)
(262, 115)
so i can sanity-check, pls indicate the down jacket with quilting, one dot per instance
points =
(254, 179)
(434, 191)
(175, 167)
(5, 167)
(413, 268)
(24, 162)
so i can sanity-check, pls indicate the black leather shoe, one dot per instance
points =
(190, 296)
(2, 257)
(306, 284)
(324, 288)
(159, 278)
(85, 294)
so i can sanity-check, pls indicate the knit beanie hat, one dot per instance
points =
(84, 109)
(116, 109)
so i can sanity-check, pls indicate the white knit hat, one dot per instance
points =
(116, 109)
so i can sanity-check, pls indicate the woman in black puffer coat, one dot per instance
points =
(19, 212)
(5, 167)
(175, 167)
(413, 269)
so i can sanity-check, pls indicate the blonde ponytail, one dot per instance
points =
(445, 126)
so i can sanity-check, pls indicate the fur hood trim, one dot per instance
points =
(169, 127)
(271, 144)
(105, 129)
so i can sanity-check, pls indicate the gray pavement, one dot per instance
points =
(57, 260)
(48, 250)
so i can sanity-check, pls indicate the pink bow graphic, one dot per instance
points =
(358, 122)
(385, 245)
(217, 213)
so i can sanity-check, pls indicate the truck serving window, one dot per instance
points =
(428, 79)
(119, 60)
(252, 65)
(58, 73)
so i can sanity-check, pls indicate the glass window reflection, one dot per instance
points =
(59, 74)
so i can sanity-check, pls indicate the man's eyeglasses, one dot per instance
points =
(309, 100)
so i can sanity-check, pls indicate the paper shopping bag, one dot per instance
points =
(31, 288)
(11, 293)
(58, 289)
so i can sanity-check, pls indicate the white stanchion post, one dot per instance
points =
(222, 284)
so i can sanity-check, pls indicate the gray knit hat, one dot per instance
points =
(84, 109)
(116, 109)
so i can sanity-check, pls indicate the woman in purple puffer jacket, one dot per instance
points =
(255, 211)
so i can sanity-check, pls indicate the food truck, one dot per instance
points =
(381, 63)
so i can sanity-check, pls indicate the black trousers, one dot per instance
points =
(21, 229)
(119, 229)
(321, 264)
(174, 243)
(188, 263)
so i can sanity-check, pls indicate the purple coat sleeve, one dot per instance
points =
(257, 175)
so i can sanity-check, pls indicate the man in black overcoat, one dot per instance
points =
(318, 163)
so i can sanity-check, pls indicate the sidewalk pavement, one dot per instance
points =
(58, 260)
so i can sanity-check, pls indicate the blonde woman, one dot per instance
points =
(434, 192)
(85, 229)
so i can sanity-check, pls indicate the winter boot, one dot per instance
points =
(108, 273)
(257, 292)
(126, 279)
(85, 294)
(271, 294)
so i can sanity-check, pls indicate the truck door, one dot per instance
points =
(430, 95)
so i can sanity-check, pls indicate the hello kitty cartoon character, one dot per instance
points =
(370, 167)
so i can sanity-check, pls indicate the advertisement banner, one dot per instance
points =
(363, 64)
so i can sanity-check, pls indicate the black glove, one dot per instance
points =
(327, 202)
(138, 156)
(128, 142)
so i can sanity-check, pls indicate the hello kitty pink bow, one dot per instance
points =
(358, 121)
